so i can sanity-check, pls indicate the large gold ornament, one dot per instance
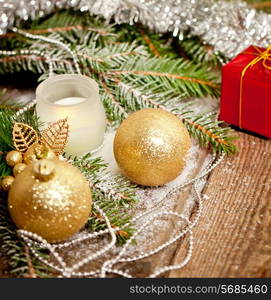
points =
(51, 198)
(150, 147)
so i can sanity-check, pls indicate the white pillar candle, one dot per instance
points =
(76, 97)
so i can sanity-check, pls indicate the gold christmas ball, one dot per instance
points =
(19, 168)
(13, 158)
(38, 151)
(150, 147)
(6, 183)
(51, 198)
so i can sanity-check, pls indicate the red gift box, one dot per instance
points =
(246, 91)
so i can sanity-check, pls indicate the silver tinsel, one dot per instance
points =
(228, 26)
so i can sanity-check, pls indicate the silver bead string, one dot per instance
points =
(32, 239)
(27, 107)
(47, 59)
(30, 52)
(51, 41)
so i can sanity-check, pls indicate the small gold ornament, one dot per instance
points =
(24, 136)
(19, 168)
(38, 151)
(56, 136)
(6, 183)
(13, 158)
(150, 147)
(51, 198)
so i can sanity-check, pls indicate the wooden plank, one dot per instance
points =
(233, 236)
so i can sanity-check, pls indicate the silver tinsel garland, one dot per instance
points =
(228, 26)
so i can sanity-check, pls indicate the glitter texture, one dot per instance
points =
(13, 158)
(150, 147)
(50, 206)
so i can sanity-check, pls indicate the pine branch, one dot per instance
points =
(31, 270)
(149, 42)
(58, 29)
(129, 77)
(115, 111)
(114, 194)
(14, 248)
(207, 130)
(8, 118)
(157, 44)
(264, 5)
(6, 124)
(200, 53)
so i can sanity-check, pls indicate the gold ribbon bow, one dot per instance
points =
(264, 56)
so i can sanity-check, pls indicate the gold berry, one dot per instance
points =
(19, 168)
(51, 198)
(13, 158)
(37, 152)
(6, 183)
(150, 147)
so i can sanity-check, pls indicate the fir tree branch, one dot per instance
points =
(32, 272)
(196, 51)
(114, 194)
(260, 4)
(148, 41)
(210, 134)
(109, 100)
(101, 32)
(129, 78)
(167, 75)
(14, 248)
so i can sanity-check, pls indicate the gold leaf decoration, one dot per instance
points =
(56, 135)
(23, 136)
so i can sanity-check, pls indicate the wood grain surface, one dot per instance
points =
(233, 238)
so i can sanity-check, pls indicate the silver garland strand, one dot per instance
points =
(32, 239)
(228, 26)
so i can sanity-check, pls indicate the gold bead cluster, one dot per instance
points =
(19, 161)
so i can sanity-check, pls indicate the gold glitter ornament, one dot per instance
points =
(19, 168)
(51, 198)
(14, 157)
(150, 147)
(38, 151)
(6, 183)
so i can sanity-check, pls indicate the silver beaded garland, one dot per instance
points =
(32, 239)
(107, 267)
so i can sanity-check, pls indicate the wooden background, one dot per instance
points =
(233, 238)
